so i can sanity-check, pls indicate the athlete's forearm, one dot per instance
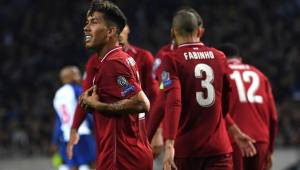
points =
(136, 104)
(156, 116)
(234, 130)
(78, 117)
(169, 143)
(229, 121)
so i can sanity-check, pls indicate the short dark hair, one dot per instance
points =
(185, 22)
(112, 13)
(230, 50)
(192, 10)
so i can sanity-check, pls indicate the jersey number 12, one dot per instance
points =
(246, 77)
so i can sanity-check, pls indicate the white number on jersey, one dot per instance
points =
(207, 84)
(246, 77)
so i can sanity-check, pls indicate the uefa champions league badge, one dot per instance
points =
(165, 76)
(122, 81)
(126, 87)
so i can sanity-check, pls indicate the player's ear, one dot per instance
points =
(112, 31)
(201, 31)
(128, 28)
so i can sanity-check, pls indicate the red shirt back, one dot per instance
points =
(253, 107)
(199, 74)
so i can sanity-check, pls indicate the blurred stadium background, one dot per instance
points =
(37, 38)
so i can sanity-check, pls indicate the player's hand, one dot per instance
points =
(269, 162)
(74, 138)
(85, 95)
(89, 98)
(246, 144)
(157, 143)
(169, 157)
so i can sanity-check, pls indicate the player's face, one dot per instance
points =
(95, 31)
(124, 35)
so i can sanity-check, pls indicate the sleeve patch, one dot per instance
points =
(126, 87)
(166, 81)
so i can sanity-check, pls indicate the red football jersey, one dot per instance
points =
(253, 107)
(195, 82)
(120, 138)
(90, 71)
(156, 112)
(157, 67)
(144, 60)
(87, 82)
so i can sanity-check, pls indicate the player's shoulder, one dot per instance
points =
(93, 57)
(258, 71)
(118, 60)
(164, 50)
(140, 51)
(216, 52)
(118, 56)
(65, 90)
(92, 60)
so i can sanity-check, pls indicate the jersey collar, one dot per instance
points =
(111, 51)
(234, 60)
(190, 44)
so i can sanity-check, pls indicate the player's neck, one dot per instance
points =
(109, 46)
(125, 46)
(187, 39)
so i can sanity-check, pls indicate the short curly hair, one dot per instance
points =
(112, 13)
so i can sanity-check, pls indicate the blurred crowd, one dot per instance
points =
(37, 38)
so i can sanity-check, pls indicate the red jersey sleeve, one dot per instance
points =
(122, 77)
(150, 85)
(226, 97)
(156, 115)
(273, 118)
(87, 82)
(172, 89)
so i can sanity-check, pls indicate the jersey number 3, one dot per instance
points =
(246, 77)
(209, 100)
